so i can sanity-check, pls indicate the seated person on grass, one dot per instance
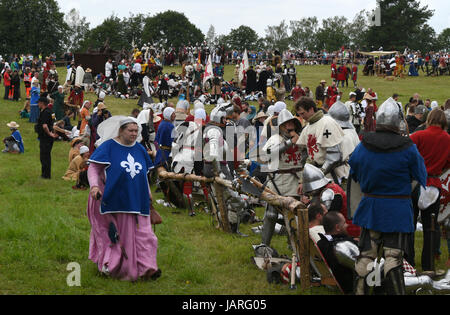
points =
(14, 142)
(78, 169)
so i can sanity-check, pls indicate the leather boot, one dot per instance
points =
(395, 282)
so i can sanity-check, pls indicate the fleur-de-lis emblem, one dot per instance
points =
(131, 166)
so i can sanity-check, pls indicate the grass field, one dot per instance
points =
(44, 227)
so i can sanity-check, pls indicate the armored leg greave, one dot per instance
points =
(270, 219)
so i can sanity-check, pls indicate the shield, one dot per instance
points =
(444, 209)
(354, 196)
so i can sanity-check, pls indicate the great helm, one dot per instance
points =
(390, 115)
(340, 113)
(313, 178)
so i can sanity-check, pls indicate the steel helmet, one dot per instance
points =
(285, 115)
(313, 178)
(389, 114)
(340, 113)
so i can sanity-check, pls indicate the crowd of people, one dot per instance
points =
(310, 153)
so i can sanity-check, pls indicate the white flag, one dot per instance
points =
(244, 66)
(208, 70)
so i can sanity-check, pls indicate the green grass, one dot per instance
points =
(43, 224)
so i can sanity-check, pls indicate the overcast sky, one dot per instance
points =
(225, 15)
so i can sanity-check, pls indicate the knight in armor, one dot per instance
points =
(341, 115)
(187, 153)
(384, 164)
(283, 168)
(215, 158)
(146, 96)
(321, 139)
(316, 185)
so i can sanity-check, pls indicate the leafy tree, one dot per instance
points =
(242, 38)
(443, 40)
(333, 34)
(111, 31)
(402, 22)
(171, 29)
(357, 29)
(303, 33)
(32, 26)
(77, 30)
(133, 28)
(277, 37)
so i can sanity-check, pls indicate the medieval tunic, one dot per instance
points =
(186, 148)
(348, 145)
(164, 137)
(286, 167)
(384, 164)
(120, 172)
(75, 167)
(58, 105)
(320, 133)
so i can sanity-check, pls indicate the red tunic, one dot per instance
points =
(331, 91)
(297, 92)
(76, 98)
(353, 230)
(334, 71)
(354, 73)
(342, 73)
(7, 79)
(433, 144)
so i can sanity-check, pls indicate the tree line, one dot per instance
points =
(38, 26)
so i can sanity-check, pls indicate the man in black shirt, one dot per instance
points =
(46, 136)
(416, 119)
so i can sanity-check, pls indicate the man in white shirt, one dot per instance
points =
(108, 69)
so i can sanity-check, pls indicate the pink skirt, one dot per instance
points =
(136, 237)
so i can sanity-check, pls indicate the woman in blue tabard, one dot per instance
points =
(122, 242)
(164, 137)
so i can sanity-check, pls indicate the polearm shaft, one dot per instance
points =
(294, 206)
